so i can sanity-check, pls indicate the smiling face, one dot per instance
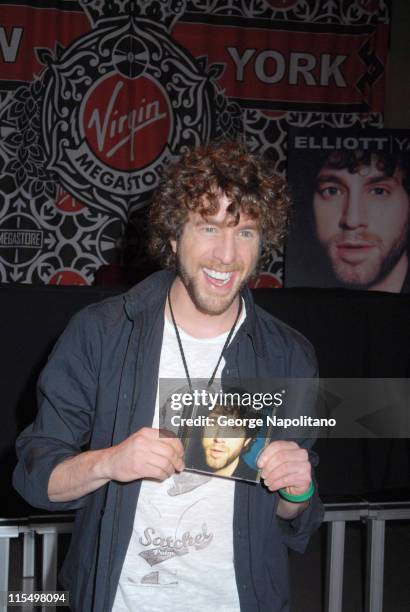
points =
(362, 221)
(215, 258)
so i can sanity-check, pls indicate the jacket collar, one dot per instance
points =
(149, 293)
(251, 324)
(152, 292)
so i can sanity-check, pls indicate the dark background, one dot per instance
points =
(355, 334)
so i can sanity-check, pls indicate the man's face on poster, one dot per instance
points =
(361, 220)
(223, 445)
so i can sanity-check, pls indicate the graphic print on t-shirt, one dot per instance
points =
(186, 482)
(159, 548)
(181, 546)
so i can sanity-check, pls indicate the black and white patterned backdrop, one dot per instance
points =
(98, 96)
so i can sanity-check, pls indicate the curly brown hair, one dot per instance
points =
(228, 167)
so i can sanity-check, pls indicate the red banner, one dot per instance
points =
(97, 98)
(279, 70)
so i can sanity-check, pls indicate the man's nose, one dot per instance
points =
(218, 433)
(354, 213)
(225, 248)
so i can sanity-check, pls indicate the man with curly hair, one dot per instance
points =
(149, 536)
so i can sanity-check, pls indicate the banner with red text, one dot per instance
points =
(96, 98)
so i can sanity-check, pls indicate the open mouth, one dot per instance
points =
(217, 278)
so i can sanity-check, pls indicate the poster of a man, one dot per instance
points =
(350, 226)
(219, 446)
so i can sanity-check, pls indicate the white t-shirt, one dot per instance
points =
(180, 554)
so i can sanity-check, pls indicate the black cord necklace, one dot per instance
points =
(181, 349)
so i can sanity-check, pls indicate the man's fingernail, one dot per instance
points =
(259, 461)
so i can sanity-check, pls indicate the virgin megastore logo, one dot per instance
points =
(123, 142)
(121, 103)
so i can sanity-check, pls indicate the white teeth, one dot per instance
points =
(222, 276)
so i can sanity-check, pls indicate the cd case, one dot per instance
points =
(224, 441)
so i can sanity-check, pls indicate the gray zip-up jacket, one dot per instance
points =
(99, 386)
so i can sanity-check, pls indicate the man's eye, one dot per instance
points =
(330, 192)
(246, 233)
(380, 191)
(209, 431)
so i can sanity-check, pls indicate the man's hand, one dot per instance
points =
(144, 454)
(286, 466)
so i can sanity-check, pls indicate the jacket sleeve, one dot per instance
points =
(303, 364)
(66, 393)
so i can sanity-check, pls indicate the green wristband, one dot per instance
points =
(297, 499)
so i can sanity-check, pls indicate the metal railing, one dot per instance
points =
(49, 528)
(374, 515)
